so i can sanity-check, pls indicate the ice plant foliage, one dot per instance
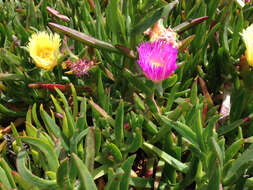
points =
(44, 49)
(157, 59)
(248, 40)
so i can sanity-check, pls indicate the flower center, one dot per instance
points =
(156, 63)
(44, 52)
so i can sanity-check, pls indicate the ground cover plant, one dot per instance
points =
(126, 94)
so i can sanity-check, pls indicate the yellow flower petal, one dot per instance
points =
(44, 49)
(248, 40)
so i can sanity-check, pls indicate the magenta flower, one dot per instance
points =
(157, 59)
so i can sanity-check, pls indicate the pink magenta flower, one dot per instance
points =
(157, 59)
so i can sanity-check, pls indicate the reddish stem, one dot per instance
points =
(49, 86)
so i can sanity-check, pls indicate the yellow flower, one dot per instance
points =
(248, 40)
(44, 49)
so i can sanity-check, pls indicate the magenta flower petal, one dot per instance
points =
(157, 59)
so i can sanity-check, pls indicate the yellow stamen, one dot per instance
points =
(156, 64)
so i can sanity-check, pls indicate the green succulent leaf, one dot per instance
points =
(29, 177)
(167, 158)
(85, 177)
(47, 150)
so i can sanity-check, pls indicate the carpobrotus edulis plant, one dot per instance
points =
(82, 113)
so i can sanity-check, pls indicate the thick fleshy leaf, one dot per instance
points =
(89, 40)
(239, 166)
(4, 179)
(29, 177)
(126, 166)
(9, 112)
(167, 158)
(52, 126)
(4, 165)
(142, 183)
(47, 150)
(102, 112)
(62, 175)
(114, 179)
(21, 182)
(85, 177)
(183, 130)
(189, 24)
(119, 122)
(90, 149)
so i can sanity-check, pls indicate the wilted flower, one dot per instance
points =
(44, 49)
(157, 59)
(159, 32)
(80, 68)
(248, 40)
